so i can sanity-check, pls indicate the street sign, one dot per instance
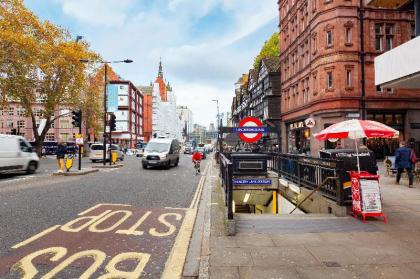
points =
(107, 129)
(250, 129)
(310, 122)
(256, 181)
(79, 139)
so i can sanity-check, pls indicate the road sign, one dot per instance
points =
(250, 129)
(310, 122)
(107, 129)
(255, 181)
(79, 139)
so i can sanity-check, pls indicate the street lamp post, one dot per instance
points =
(105, 99)
(218, 122)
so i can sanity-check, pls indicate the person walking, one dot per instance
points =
(61, 152)
(405, 160)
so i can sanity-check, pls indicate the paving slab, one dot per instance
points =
(230, 257)
(282, 256)
(268, 273)
(297, 239)
(385, 272)
(252, 240)
(321, 272)
(339, 254)
(224, 272)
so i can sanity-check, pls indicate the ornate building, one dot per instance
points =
(327, 50)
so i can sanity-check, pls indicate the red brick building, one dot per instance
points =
(327, 50)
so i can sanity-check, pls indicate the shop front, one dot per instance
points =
(386, 147)
(298, 137)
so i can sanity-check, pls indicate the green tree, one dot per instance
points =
(40, 63)
(269, 49)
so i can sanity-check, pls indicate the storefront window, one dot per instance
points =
(388, 119)
(379, 118)
(398, 119)
(370, 117)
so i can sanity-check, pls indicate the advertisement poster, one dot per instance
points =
(355, 192)
(371, 196)
(112, 97)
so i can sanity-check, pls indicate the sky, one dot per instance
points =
(205, 45)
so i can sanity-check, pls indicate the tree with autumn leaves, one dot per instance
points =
(40, 62)
(269, 49)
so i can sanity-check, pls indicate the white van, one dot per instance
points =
(97, 153)
(16, 155)
(161, 152)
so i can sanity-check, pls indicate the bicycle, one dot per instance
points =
(197, 167)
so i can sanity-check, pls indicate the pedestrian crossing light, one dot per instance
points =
(112, 122)
(77, 118)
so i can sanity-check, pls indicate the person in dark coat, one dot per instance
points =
(403, 162)
(61, 152)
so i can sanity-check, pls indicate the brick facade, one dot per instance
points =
(321, 70)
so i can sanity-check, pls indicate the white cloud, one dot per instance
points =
(98, 12)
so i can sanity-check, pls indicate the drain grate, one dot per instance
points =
(331, 264)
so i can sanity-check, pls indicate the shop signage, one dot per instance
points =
(260, 181)
(415, 125)
(250, 129)
(297, 125)
(371, 196)
(79, 139)
(310, 122)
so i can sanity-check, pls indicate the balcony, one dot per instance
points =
(399, 67)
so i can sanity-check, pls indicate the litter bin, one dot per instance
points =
(349, 163)
(366, 195)
(113, 156)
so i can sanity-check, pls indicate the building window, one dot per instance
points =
(378, 37)
(37, 123)
(20, 112)
(11, 111)
(9, 123)
(36, 112)
(389, 36)
(348, 35)
(329, 80)
(50, 137)
(348, 78)
(64, 124)
(329, 38)
(21, 123)
(314, 44)
(413, 31)
(379, 89)
(64, 136)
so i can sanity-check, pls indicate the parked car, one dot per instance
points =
(188, 149)
(161, 152)
(203, 152)
(16, 155)
(140, 149)
(96, 152)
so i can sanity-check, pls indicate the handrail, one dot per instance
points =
(314, 190)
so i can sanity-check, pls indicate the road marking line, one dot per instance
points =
(199, 189)
(99, 205)
(175, 263)
(35, 237)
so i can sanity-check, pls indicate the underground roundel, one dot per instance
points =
(250, 129)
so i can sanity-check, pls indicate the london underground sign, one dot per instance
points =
(250, 129)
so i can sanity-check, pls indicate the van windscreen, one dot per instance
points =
(157, 147)
(96, 147)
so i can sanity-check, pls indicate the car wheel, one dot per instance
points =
(144, 166)
(177, 162)
(31, 168)
(122, 158)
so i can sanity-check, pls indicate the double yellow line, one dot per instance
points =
(197, 195)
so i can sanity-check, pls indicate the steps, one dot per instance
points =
(299, 223)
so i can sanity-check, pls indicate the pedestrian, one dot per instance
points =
(61, 152)
(338, 145)
(405, 159)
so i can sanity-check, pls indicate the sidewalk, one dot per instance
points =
(319, 246)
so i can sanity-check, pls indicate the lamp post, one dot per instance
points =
(105, 63)
(218, 124)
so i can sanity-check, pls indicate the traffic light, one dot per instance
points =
(112, 122)
(77, 118)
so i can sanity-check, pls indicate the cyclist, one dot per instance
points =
(196, 159)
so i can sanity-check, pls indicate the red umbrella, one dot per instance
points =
(357, 129)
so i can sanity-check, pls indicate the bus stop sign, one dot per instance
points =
(250, 129)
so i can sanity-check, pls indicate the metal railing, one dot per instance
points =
(310, 173)
(226, 171)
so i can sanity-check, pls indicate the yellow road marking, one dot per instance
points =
(101, 204)
(175, 264)
(35, 237)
